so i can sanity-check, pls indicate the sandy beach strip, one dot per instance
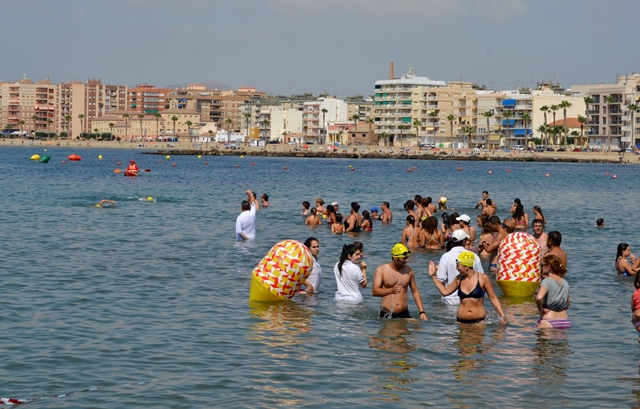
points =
(363, 151)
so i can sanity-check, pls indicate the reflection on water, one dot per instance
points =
(279, 326)
(550, 363)
(396, 336)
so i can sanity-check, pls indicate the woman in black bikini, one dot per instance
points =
(471, 287)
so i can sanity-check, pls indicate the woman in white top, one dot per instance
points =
(312, 284)
(350, 276)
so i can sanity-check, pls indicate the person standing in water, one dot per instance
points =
(246, 221)
(312, 284)
(392, 281)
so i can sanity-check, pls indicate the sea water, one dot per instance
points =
(147, 302)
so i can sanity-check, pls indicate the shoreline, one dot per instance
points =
(316, 151)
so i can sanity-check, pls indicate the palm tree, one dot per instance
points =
(7, 128)
(564, 105)
(451, 118)
(21, 122)
(609, 99)
(229, 122)
(582, 120)
(140, 116)
(632, 107)
(384, 136)
(96, 132)
(370, 121)
(525, 119)
(488, 115)
(111, 129)
(355, 118)
(157, 115)
(587, 101)
(189, 123)
(554, 108)
(174, 119)
(433, 115)
(81, 117)
(125, 116)
(574, 133)
(324, 112)
(545, 110)
(468, 130)
(68, 120)
(34, 118)
(247, 119)
(506, 116)
(206, 145)
(401, 128)
(543, 129)
(417, 124)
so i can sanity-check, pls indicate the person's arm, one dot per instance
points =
(416, 297)
(490, 248)
(363, 268)
(377, 290)
(542, 291)
(443, 290)
(352, 222)
(488, 288)
(404, 236)
(249, 196)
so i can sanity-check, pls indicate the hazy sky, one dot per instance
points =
(338, 46)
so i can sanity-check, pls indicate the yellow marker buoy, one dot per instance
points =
(199, 156)
(99, 156)
(241, 156)
(35, 157)
(168, 157)
(150, 199)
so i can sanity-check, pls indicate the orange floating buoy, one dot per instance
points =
(206, 163)
(174, 164)
(508, 170)
(615, 176)
(252, 163)
(73, 156)
(415, 168)
(117, 170)
(490, 172)
(119, 163)
(459, 168)
(606, 174)
(285, 168)
(408, 170)
(547, 175)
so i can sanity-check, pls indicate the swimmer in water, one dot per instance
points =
(147, 199)
(105, 201)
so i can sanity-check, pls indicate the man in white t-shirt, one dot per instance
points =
(447, 271)
(246, 221)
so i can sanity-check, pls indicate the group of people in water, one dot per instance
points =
(459, 275)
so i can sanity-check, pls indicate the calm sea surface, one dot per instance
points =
(148, 302)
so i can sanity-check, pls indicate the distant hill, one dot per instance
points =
(209, 84)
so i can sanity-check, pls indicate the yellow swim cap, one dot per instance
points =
(400, 250)
(466, 258)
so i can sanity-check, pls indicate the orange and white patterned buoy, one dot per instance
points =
(280, 273)
(518, 272)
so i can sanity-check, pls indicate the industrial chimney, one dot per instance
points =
(391, 75)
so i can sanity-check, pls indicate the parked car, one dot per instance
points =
(540, 148)
(518, 147)
(562, 149)
(577, 149)
(550, 149)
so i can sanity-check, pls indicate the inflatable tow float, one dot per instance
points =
(518, 272)
(74, 157)
(278, 276)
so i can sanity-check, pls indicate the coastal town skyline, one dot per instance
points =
(340, 48)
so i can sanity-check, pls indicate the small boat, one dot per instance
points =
(131, 173)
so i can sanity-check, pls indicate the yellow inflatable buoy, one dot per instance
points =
(168, 157)
(518, 272)
(280, 273)
(199, 156)
(241, 156)
(150, 199)
(100, 157)
(35, 157)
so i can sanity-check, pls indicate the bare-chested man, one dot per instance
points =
(482, 202)
(541, 237)
(499, 233)
(386, 216)
(486, 204)
(554, 239)
(392, 281)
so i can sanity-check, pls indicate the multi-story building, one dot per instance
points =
(612, 123)
(148, 99)
(27, 106)
(398, 101)
(317, 114)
